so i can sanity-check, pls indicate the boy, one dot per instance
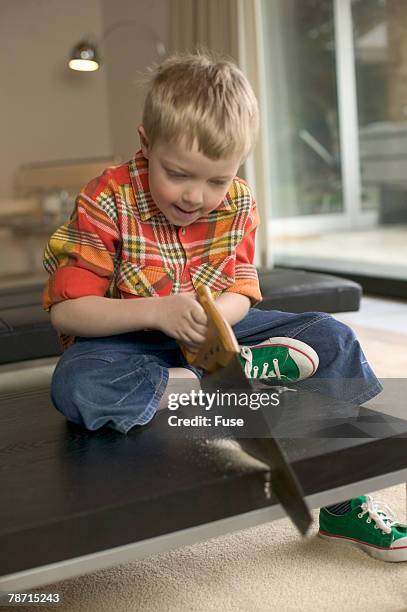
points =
(141, 239)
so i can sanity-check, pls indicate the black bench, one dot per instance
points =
(75, 501)
(26, 331)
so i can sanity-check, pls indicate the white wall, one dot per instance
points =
(128, 50)
(48, 112)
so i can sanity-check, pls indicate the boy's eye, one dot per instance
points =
(177, 175)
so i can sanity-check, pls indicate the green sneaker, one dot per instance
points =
(371, 525)
(284, 359)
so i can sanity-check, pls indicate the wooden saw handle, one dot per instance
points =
(220, 344)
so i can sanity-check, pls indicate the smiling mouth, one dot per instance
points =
(186, 212)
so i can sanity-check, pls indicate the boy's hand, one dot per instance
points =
(182, 317)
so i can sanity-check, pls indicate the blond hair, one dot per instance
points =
(204, 97)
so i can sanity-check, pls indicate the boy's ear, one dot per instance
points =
(145, 147)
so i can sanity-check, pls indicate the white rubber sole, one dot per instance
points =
(304, 355)
(392, 555)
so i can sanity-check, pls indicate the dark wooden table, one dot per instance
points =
(74, 501)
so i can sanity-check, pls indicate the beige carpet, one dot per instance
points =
(262, 568)
(385, 351)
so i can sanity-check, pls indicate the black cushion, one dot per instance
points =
(302, 291)
(26, 331)
(25, 328)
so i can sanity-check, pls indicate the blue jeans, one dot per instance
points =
(118, 380)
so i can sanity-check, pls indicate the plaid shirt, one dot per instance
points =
(118, 244)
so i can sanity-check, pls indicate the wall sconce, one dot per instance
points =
(85, 57)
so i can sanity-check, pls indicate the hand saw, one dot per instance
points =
(219, 356)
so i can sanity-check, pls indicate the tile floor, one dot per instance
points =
(378, 251)
(379, 313)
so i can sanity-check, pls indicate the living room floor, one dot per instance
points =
(381, 327)
(377, 312)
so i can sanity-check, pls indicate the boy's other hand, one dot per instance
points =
(182, 317)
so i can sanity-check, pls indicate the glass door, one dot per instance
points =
(303, 112)
(336, 100)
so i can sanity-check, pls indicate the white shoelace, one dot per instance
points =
(252, 371)
(385, 520)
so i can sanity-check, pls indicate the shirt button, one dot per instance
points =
(183, 231)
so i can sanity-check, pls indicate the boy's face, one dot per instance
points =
(186, 185)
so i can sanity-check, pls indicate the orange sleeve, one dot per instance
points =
(79, 256)
(246, 277)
